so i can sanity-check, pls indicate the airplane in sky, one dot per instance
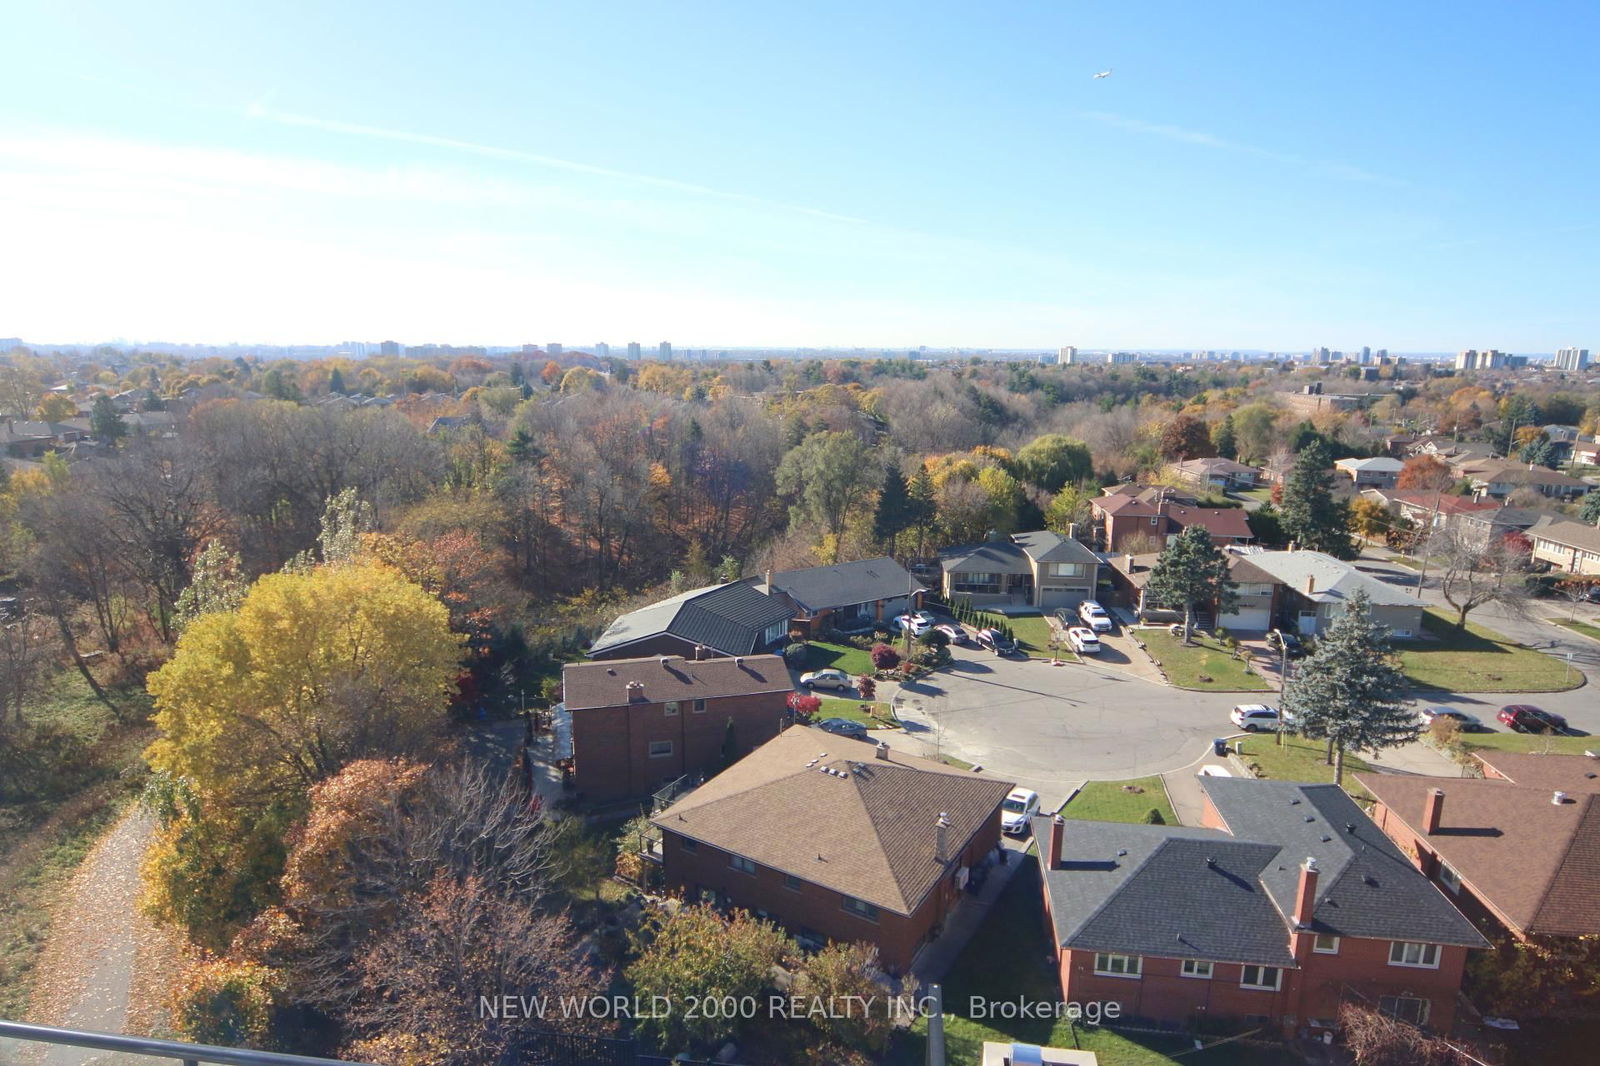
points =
(1104, 74)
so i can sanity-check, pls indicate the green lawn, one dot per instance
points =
(1592, 632)
(1299, 759)
(1528, 742)
(1033, 633)
(1479, 660)
(852, 660)
(1115, 801)
(882, 716)
(1206, 665)
(1009, 959)
(1408, 561)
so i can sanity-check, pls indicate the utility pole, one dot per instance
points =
(1283, 684)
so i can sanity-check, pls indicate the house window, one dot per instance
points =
(982, 584)
(688, 845)
(699, 706)
(775, 632)
(669, 708)
(742, 864)
(1405, 1008)
(1066, 569)
(791, 882)
(1196, 968)
(1118, 965)
(1406, 953)
(660, 749)
(861, 908)
(1269, 978)
(1325, 945)
(1449, 878)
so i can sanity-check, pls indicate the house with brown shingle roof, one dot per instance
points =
(835, 839)
(639, 724)
(1120, 519)
(1518, 849)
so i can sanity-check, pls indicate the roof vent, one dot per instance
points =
(665, 659)
(1326, 838)
(1210, 861)
(1310, 818)
(1559, 798)
(1122, 852)
(1349, 827)
(738, 660)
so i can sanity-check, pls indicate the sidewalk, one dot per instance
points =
(1416, 758)
(935, 959)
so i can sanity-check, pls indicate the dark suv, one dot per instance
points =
(1282, 640)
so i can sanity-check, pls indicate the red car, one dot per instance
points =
(1526, 719)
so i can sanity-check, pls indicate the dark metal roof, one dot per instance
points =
(845, 584)
(990, 557)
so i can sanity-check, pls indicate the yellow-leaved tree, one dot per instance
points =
(312, 670)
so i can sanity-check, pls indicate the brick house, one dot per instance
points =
(1518, 849)
(1427, 510)
(1120, 518)
(1285, 902)
(638, 724)
(1253, 612)
(1218, 473)
(1566, 545)
(835, 839)
(731, 619)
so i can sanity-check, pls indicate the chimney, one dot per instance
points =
(1311, 586)
(1305, 897)
(941, 838)
(699, 652)
(635, 690)
(1058, 832)
(769, 579)
(882, 750)
(1432, 810)
(1072, 531)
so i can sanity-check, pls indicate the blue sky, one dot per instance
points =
(1419, 176)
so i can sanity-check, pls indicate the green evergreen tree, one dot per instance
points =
(1225, 439)
(336, 382)
(105, 423)
(1192, 570)
(1590, 509)
(1349, 691)
(923, 505)
(1311, 516)
(895, 509)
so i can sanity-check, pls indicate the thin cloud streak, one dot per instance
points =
(1342, 171)
(261, 110)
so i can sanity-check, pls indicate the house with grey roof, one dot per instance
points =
(1566, 545)
(1378, 472)
(1285, 901)
(1315, 587)
(730, 619)
(845, 596)
(1039, 569)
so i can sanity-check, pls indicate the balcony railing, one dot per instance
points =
(188, 1054)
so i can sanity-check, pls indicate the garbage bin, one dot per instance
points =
(1219, 747)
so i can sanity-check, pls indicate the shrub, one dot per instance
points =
(867, 687)
(804, 705)
(794, 654)
(884, 657)
(933, 638)
(1153, 817)
(863, 640)
(222, 1001)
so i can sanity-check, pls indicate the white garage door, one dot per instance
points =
(1259, 618)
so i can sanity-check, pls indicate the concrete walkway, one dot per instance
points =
(1415, 758)
(935, 959)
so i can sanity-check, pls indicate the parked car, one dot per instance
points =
(997, 642)
(1018, 810)
(1211, 769)
(957, 635)
(844, 727)
(1527, 719)
(918, 623)
(1254, 717)
(1094, 616)
(1465, 722)
(1281, 640)
(1083, 641)
(828, 678)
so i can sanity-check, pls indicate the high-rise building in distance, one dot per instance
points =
(389, 348)
(1572, 358)
(666, 349)
(1067, 355)
(1488, 359)
(552, 348)
(634, 351)
(602, 349)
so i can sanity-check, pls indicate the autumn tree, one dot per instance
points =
(55, 407)
(1473, 571)
(1426, 473)
(696, 952)
(1053, 461)
(1186, 437)
(849, 976)
(27, 645)
(312, 669)
(1369, 518)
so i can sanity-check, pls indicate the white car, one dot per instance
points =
(1018, 810)
(955, 635)
(918, 623)
(829, 678)
(1094, 616)
(1253, 717)
(1083, 641)
(1211, 769)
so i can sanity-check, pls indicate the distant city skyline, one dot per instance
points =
(879, 178)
